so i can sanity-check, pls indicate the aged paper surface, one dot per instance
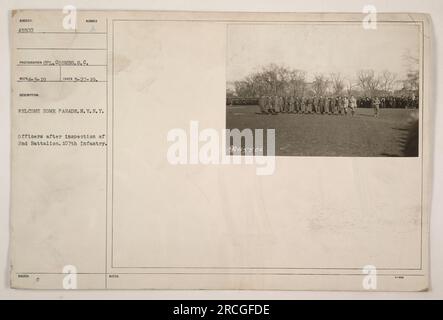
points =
(123, 178)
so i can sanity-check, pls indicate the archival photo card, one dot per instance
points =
(220, 151)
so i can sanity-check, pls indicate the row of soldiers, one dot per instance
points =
(403, 102)
(319, 104)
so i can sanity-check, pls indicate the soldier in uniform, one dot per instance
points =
(337, 105)
(310, 102)
(322, 104)
(292, 105)
(276, 104)
(383, 102)
(262, 104)
(327, 105)
(299, 104)
(269, 103)
(376, 106)
(303, 105)
(288, 104)
(345, 105)
(353, 105)
(332, 105)
(315, 104)
(340, 105)
(368, 102)
(283, 104)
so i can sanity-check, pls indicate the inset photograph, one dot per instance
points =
(338, 89)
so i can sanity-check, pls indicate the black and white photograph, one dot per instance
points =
(329, 89)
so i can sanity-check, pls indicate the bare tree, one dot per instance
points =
(387, 81)
(297, 82)
(412, 82)
(320, 85)
(280, 80)
(275, 77)
(413, 76)
(337, 82)
(271, 79)
(367, 81)
(350, 86)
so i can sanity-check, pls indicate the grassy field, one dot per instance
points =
(392, 134)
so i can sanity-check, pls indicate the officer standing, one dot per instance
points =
(345, 105)
(353, 105)
(292, 104)
(327, 105)
(316, 104)
(376, 106)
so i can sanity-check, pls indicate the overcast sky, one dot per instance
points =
(321, 48)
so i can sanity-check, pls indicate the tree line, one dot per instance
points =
(278, 80)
